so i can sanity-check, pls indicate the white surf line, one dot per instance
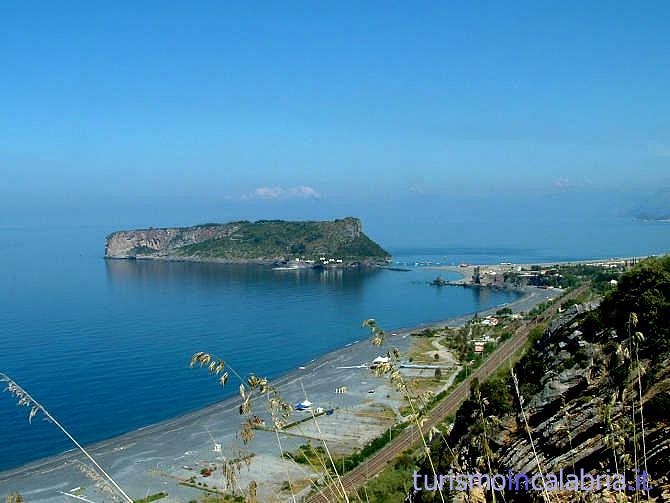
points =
(353, 367)
(76, 497)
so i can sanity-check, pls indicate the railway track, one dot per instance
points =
(409, 437)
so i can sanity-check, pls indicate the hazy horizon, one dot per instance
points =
(411, 118)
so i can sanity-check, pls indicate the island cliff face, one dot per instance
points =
(264, 241)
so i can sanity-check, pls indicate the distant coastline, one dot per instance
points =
(278, 262)
(651, 218)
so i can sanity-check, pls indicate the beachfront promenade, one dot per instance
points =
(410, 437)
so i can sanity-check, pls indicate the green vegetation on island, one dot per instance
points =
(338, 242)
(277, 238)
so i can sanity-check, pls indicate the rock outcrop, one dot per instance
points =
(581, 417)
(162, 242)
(582, 413)
(261, 241)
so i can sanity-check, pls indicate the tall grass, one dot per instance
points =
(25, 399)
(417, 404)
(635, 339)
(321, 460)
(524, 418)
(251, 389)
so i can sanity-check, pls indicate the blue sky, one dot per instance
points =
(217, 110)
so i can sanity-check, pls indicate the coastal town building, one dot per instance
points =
(487, 277)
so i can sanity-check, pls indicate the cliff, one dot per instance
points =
(264, 241)
(580, 385)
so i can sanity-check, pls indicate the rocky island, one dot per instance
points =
(337, 243)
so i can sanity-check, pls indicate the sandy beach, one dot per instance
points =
(156, 458)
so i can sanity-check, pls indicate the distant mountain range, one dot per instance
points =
(265, 241)
(656, 207)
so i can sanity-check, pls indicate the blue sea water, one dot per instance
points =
(105, 345)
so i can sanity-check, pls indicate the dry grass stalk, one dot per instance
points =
(545, 493)
(99, 482)
(24, 399)
(391, 368)
(14, 498)
(637, 338)
(338, 478)
(250, 388)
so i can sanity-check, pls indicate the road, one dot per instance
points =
(409, 437)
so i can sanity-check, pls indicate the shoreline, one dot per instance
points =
(466, 271)
(351, 265)
(594, 261)
(137, 445)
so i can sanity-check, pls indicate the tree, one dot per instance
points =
(644, 290)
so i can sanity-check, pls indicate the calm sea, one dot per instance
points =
(105, 345)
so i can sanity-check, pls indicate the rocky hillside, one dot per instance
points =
(261, 241)
(580, 386)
